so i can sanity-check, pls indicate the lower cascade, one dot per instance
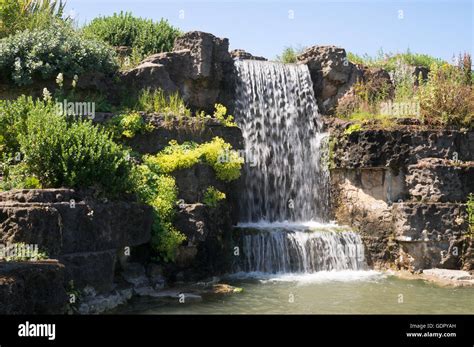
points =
(286, 181)
(274, 249)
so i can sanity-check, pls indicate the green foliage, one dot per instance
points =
(446, 98)
(12, 122)
(470, 212)
(17, 176)
(19, 15)
(212, 196)
(221, 115)
(62, 153)
(43, 53)
(217, 153)
(160, 192)
(289, 55)
(353, 128)
(157, 101)
(389, 61)
(144, 36)
(128, 125)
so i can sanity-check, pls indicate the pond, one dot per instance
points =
(325, 292)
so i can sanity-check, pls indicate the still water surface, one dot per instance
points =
(338, 292)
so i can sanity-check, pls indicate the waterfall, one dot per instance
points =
(277, 112)
(286, 179)
(296, 249)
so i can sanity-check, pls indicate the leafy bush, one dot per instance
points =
(62, 153)
(128, 125)
(289, 55)
(218, 154)
(12, 122)
(17, 176)
(221, 115)
(160, 192)
(353, 128)
(212, 196)
(43, 53)
(446, 98)
(143, 35)
(19, 15)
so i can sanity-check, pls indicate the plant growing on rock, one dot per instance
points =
(446, 98)
(156, 101)
(64, 152)
(144, 36)
(217, 153)
(128, 125)
(212, 196)
(40, 54)
(160, 192)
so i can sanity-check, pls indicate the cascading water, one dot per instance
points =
(277, 112)
(286, 183)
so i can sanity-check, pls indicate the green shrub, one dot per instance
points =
(353, 128)
(446, 98)
(43, 53)
(12, 122)
(221, 115)
(143, 35)
(17, 176)
(212, 196)
(289, 55)
(217, 153)
(19, 15)
(62, 153)
(128, 125)
(160, 192)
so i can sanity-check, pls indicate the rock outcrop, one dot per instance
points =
(405, 191)
(32, 287)
(199, 67)
(332, 74)
(83, 233)
(244, 55)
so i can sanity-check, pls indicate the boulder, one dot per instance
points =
(243, 55)
(199, 67)
(83, 232)
(32, 288)
(332, 74)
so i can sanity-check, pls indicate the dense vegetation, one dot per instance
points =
(40, 54)
(19, 15)
(444, 98)
(142, 35)
(389, 61)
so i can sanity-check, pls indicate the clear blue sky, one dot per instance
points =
(264, 27)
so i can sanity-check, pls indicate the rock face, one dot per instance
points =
(332, 74)
(85, 234)
(32, 288)
(199, 67)
(243, 55)
(406, 195)
(181, 130)
(207, 249)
